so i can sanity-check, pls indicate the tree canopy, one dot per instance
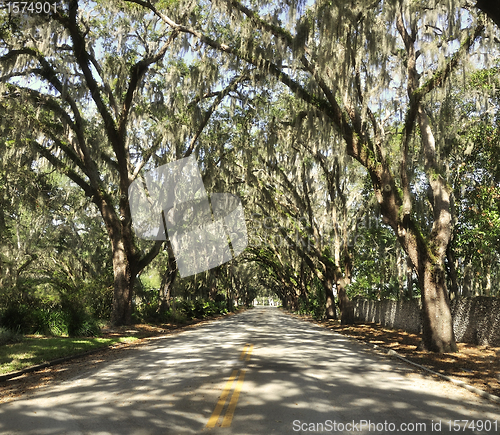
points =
(321, 116)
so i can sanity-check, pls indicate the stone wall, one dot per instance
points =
(476, 320)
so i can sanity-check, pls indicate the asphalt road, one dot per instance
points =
(259, 372)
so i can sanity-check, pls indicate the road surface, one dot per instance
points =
(258, 372)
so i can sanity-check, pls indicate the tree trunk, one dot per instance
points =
(400, 265)
(125, 268)
(292, 300)
(409, 278)
(331, 310)
(165, 292)
(212, 294)
(487, 286)
(123, 284)
(167, 280)
(467, 281)
(427, 257)
(345, 304)
(437, 334)
(452, 273)
(342, 280)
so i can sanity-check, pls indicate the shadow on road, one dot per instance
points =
(297, 372)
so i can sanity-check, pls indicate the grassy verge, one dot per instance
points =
(38, 350)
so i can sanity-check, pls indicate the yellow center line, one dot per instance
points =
(234, 400)
(244, 351)
(249, 352)
(222, 400)
(228, 418)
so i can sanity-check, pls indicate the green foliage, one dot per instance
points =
(487, 79)
(180, 312)
(476, 184)
(22, 318)
(314, 302)
(49, 320)
(98, 299)
(377, 273)
(147, 288)
(8, 336)
(148, 312)
(85, 327)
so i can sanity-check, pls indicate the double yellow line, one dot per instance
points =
(228, 417)
(247, 350)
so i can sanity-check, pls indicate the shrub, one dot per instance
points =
(89, 327)
(71, 320)
(147, 312)
(8, 336)
(50, 322)
(184, 310)
(99, 299)
(177, 317)
(17, 317)
(314, 302)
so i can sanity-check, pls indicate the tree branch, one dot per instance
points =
(149, 256)
(220, 96)
(48, 73)
(137, 72)
(70, 173)
(83, 59)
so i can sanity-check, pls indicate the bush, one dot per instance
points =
(8, 336)
(314, 303)
(45, 320)
(176, 317)
(89, 327)
(17, 317)
(184, 310)
(50, 322)
(147, 312)
(99, 299)
(199, 309)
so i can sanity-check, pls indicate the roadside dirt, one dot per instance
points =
(478, 366)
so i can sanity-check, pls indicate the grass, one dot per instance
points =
(38, 350)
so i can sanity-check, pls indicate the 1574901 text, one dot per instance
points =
(31, 7)
(434, 426)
